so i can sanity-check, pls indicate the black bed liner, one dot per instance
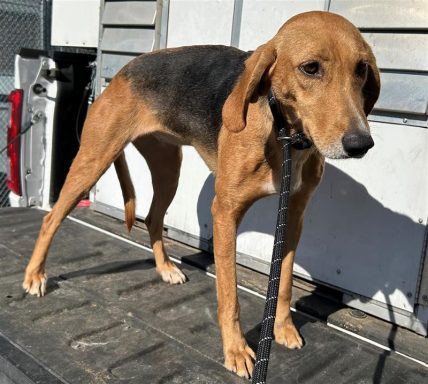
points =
(108, 318)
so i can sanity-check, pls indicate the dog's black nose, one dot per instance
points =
(356, 144)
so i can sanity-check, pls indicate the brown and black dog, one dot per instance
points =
(324, 77)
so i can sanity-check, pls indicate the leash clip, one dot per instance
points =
(297, 140)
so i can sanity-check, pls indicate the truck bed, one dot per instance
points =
(108, 318)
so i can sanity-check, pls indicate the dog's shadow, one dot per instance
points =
(111, 268)
(347, 238)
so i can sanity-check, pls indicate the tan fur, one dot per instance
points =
(247, 164)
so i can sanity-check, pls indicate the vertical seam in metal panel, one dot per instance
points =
(327, 5)
(99, 52)
(422, 266)
(161, 27)
(236, 23)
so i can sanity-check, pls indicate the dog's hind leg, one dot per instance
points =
(103, 139)
(164, 161)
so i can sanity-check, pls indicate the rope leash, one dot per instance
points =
(266, 334)
(297, 141)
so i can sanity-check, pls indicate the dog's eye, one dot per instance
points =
(312, 68)
(361, 69)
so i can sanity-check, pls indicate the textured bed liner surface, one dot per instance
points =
(108, 318)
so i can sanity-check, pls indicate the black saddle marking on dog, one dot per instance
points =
(187, 87)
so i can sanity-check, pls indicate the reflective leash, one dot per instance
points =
(297, 141)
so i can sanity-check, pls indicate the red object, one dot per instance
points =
(13, 149)
(84, 203)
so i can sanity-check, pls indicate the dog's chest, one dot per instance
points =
(299, 158)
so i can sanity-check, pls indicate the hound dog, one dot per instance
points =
(325, 80)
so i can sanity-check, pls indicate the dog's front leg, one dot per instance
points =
(238, 355)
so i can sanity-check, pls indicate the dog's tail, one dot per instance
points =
(127, 187)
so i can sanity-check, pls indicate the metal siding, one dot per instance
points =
(128, 40)
(261, 19)
(401, 47)
(112, 63)
(75, 23)
(411, 50)
(397, 14)
(403, 93)
(200, 22)
(127, 30)
(136, 13)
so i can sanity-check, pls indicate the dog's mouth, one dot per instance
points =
(352, 145)
(339, 151)
(335, 151)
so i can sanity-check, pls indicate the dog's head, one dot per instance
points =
(324, 76)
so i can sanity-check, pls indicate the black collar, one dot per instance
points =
(298, 140)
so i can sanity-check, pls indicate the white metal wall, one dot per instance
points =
(75, 23)
(364, 229)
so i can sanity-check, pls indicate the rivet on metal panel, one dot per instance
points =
(404, 120)
(425, 297)
(338, 271)
(409, 294)
(420, 220)
(28, 171)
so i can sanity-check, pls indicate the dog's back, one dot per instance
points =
(187, 87)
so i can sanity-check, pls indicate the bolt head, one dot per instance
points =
(357, 314)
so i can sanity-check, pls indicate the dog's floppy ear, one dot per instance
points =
(371, 88)
(236, 105)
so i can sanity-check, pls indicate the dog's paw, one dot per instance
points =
(240, 360)
(35, 283)
(171, 274)
(286, 334)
